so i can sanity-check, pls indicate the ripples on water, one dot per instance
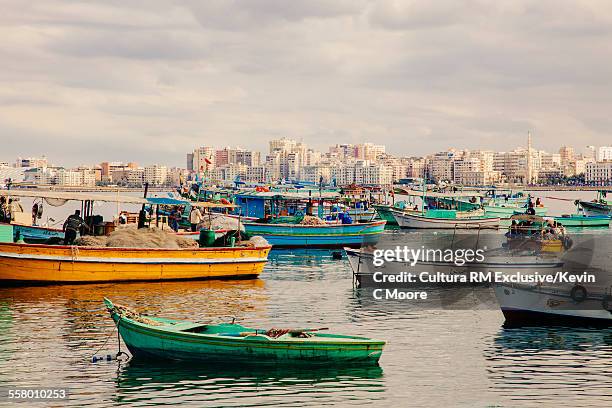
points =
(433, 358)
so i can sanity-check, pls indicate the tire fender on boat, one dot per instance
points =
(578, 293)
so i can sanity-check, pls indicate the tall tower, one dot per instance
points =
(529, 177)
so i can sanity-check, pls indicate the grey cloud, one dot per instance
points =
(257, 14)
(146, 45)
(413, 15)
(418, 76)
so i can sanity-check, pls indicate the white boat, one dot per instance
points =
(495, 261)
(536, 304)
(406, 220)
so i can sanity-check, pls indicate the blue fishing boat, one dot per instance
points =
(34, 234)
(291, 235)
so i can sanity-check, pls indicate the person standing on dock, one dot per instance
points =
(72, 226)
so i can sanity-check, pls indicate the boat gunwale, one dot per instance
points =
(179, 250)
(231, 341)
(364, 224)
(449, 220)
(39, 227)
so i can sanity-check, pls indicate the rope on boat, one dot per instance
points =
(120, 353)
(74, 252)
(131, 314)
(103, 345)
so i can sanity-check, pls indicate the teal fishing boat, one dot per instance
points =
(508, 210)
(157, 338)
(583, 220)
(444, 219)
(385, 211)
(453, 203)
(321, 235)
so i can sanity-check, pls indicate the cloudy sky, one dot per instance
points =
(148, 80)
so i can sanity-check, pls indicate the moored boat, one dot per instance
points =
(444, 219)
(534, 304)
(33, 233)
(157, 338)
(385, 211)
(542, 234)
(288, 235)
(23, 263)
(583, 220)
(507, 210)
(599, 206)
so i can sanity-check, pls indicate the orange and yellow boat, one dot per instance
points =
(36, 263)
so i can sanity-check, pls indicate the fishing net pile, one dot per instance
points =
(255, 241)
(219, 222)
(310, 220)
(133, 315)
(131, 237)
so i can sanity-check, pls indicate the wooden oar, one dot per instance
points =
(293, 331)
(288, 331)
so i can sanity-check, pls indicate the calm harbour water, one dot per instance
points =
(433, 357)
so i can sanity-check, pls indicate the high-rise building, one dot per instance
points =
(567, 155)
(604, 153)
(155, 174)
(590, 154)
(203, 159)
(31, 162)
(190, 162)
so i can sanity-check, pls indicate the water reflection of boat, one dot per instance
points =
(551, 338)
(229, 290)
(139, 380)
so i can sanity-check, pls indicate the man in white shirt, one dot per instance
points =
(195, 217)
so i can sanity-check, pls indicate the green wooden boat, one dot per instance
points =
(158, 338)
(581, 220)
(385, 211)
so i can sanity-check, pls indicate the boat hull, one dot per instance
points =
(591, 208)
(34, 263)
(507, 212)
(384, 212)
(453, 203)
(318, 236)
(421, 222)
(36, 234)
(584, 221)
(150, 342)
(529, 306)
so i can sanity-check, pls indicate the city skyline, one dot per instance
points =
(342, 164)
(87, 81)
(180, 162)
